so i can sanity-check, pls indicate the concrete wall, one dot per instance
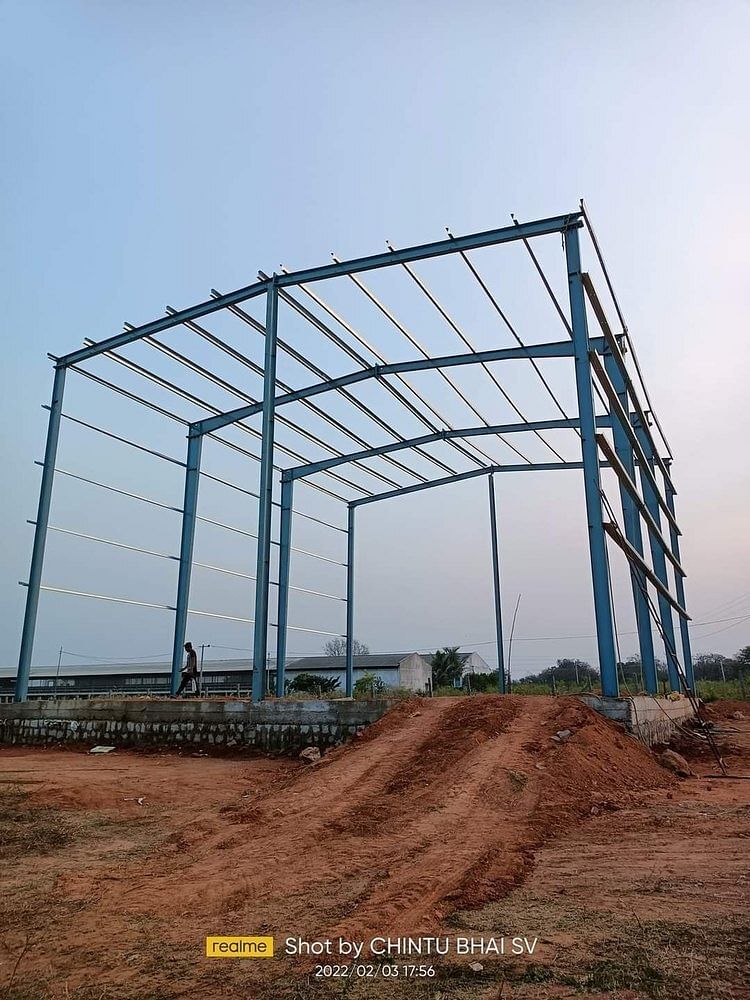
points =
(414, 672)
(271, 726)
(652, 720)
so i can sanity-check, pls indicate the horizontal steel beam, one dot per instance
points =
(471, 474)
(492, 237)
(462, 432)
(634, 557)
(518, 231)
(557, 349)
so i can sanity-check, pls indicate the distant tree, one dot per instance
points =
(313, 684)
(743, 657)
(481, 682)
(369, 685)
(337, 647)
(447, 667)
(714, 667)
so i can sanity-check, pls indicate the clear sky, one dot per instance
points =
(152, 151)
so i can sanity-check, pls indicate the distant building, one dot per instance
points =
(404, 670)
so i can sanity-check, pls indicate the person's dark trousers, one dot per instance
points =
(186, 682)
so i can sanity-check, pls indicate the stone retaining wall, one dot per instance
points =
(280, 726)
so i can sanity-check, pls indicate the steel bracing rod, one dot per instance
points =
(350, 601)
(187, 538)
(169, 607)
(174, 558)
(407, 403)
(557, 349)
(198, 517)
(300, 471)
(396, 393)
(680, 588)
(285, 538)
(227, 387)
(617, 355)
(503, 316)
(527, 230)
(318, 411)
(640, 447)
(205, 405)
(252, 493)
(591, 475)
(185, 423)
(114, 489)
(369, 294)
(621, 460)
(627, 481)
(496, 586)
(421, 284)
(260, 637)
(471, 474)
(40, 538)
(623, 324)
(122, 440)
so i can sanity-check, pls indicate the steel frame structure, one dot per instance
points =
(643, 475)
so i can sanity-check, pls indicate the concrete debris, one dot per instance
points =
(310, 755)
(675, 762)
(102, 749)
(738, 715)
(562, 735)
(476, 966)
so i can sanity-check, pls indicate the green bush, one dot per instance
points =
(369, 685)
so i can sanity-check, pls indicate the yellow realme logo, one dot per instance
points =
(239, 947)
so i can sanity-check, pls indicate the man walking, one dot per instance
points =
(189, 671)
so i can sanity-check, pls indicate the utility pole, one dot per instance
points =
(510, 641)
(57, 675)
(204, 647)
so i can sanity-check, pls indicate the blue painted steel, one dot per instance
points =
(265, 506)
(189, 514)
(285, 552)
(471, 474)
(557, 349)
(40, 537)
(659, 563)
(590, 454)
(632, 523)
(350, 603)
(508, 234)
(687, 654)
(496, 587)
(301, 471)
(472, 242)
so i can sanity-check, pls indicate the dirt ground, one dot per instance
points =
(449, 816)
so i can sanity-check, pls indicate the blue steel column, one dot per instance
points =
(350, 604)
(659, 562)
(496, 588)
(592, 484)
(285, 551)
(632, 522)
(687, 654)
(40, 537)
(260, 641)
(189, 513)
